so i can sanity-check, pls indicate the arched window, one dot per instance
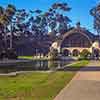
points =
(76, 40)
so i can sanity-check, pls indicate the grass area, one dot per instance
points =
(33, 86)
(79, 64)
(25, 57)
(33, 58)
(36, 85)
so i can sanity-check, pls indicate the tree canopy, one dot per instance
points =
(21, 23)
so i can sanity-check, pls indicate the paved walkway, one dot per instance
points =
(84, 86)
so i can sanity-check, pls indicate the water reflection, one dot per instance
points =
(57, 64)
(32, 65)
(43, 65)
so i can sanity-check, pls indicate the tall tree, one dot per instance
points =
(21, 23)
(6, 15)
(95, 12)
(57, 19)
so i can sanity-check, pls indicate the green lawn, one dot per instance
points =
(79, 64)
(26, 57)
(33, 86)
(33, 58)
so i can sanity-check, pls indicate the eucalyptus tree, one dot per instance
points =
(36, 22)
(40, 23)
(95, 12)
(57, 19)
(28, 23)
(38, 28)
(20, 23)
(54, 21)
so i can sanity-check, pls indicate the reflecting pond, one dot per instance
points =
(29, 65)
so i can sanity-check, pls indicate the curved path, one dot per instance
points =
(84, 86)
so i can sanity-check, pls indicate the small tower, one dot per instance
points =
(78, 24)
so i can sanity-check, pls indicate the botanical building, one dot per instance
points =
(76, 40)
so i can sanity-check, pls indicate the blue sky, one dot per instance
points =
(79, 12)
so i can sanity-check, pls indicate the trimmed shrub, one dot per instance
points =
(3, 55)
(84, 55)
(11, 54)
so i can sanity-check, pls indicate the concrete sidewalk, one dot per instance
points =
(84, 86)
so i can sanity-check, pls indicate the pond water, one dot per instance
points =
(29, 65)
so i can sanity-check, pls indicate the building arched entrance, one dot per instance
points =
(96, 52)
(75, 52)
(66, 52)
(75, 39)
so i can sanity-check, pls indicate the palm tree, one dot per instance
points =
(10, 11)
(5, 20)
(6, 15)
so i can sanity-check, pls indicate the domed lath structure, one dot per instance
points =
(77, 39)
